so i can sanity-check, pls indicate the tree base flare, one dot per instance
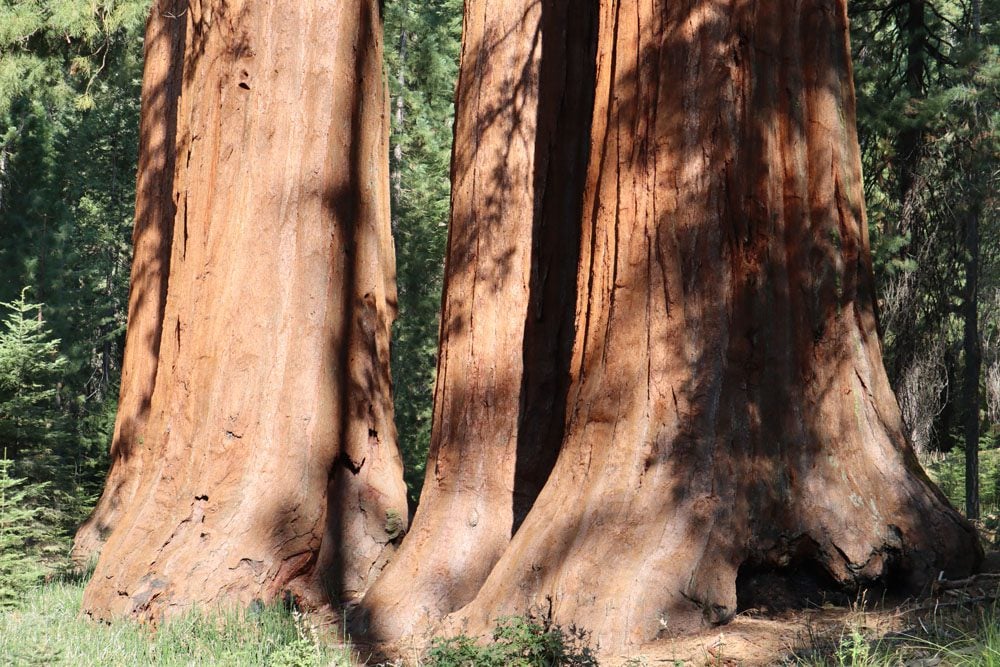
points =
(269, 466)
(727, 406)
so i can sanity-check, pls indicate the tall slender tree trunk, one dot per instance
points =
(399, 112)
(518, 170)
(272, 465)
(909, 156)
(727, 409)
(910, 140)
(973, 365)
(970, 315)
(155, 210)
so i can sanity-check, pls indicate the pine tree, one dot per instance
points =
(68, 133)
(30, 363)
(19, 532)
(422, 42)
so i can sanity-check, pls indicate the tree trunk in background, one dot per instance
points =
(271, 461)
(729, 412)
(909, 143)
(151, 236)
(396, 166)
(973, 365)
(908, 316)
(970, 339)
(521, 138)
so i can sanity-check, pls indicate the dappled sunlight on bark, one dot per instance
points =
(728, 402)
(272, 463)
(517, 172)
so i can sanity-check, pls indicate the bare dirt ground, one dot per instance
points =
(756, 639)
(753, 639)
(749, 641)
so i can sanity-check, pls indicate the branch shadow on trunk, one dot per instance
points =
(728, 407)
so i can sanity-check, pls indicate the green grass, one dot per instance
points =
(948, 472)
(47, 630)
(966, 639)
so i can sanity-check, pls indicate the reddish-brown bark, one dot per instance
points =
(728, 409)
(151, 235)
(506, 333)
(270, 460)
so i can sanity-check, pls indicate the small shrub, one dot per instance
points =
(19, 532)
(855, 650)
(304, 651)
(518, 641)
(301, 652)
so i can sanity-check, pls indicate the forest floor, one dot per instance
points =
(826, 636)
(958, 625)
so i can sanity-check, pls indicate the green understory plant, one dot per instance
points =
(518, 641)
(19, 536)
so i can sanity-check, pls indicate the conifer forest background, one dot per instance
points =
(927, 74)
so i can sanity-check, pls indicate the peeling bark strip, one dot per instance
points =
(518, 171)
(280, 298)
(728, 408)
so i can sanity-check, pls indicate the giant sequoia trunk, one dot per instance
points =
(269, 456)
(728, 410)
(151, 235)
(506, 330)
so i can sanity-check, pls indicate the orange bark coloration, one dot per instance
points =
(727, 413)
(506, 331)
(269, 461)
(151, 235)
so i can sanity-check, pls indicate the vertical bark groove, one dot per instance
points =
(517, 170)
(728, 403)
(280, 295)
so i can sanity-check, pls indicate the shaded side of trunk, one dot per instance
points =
(729, 410)
(562, 149)
(151, 239)
(517, 178)
(273, 465)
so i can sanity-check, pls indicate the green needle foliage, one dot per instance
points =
(518, 641)
(422, 46)
(30, 365)
(55, 50)
(19, 533)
